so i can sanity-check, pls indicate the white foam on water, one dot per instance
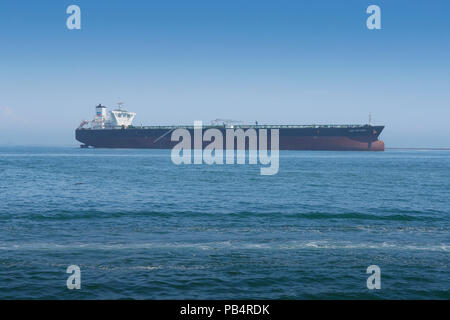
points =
(234, 245)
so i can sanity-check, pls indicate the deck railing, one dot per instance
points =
(312, 126)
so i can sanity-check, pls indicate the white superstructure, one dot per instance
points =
(117, 118)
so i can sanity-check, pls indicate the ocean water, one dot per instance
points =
(140, 227)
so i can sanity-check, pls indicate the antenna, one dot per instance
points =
(120, 104)
(370, 119)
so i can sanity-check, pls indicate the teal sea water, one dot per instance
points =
(141, 227)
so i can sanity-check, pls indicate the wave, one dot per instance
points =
(234, 245)
(388, 215)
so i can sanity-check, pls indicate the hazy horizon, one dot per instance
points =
(283, 62)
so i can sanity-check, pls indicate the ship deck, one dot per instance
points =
(249, 126)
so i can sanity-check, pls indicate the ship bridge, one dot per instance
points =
(117, 118)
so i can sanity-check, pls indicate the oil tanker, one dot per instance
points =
(114, 129)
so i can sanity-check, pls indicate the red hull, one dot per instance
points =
(329, 143)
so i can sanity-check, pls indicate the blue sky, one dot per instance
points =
(174, 62)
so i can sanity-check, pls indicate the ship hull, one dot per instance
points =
(363, 138)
